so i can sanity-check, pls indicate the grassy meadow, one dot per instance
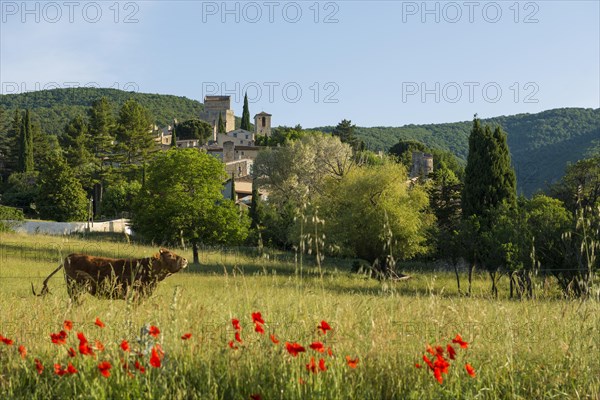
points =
(529, 349)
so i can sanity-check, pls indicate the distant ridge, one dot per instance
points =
(541, 144)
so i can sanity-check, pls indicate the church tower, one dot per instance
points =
(262, 124)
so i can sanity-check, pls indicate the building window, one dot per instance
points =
(242, 153)
(264, 122)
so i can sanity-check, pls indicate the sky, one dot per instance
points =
(377, 63)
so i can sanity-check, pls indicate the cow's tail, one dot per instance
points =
(45, 284)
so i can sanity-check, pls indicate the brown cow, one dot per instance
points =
(116, 278)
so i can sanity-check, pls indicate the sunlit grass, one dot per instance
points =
(545, 348)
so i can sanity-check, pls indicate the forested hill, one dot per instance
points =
(54, 108)
(541, 144)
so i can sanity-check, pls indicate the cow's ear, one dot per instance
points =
(161, 250)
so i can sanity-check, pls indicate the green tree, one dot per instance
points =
(61, 196)
(26, 144)
(246, 115)
(489, 182)
(174, 136)
(119, 197)
(445, 201)
(75, 145)
(191, 205)
(580, 187)
(375, 214)
(345, 130)
(221, 125)
(21, 191)
(9, 217)
(134, 135)
(9, 135)
(194, 129)
(101, 127)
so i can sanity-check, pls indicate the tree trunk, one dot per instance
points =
(471, 269)
(455, 263)
(195, 252)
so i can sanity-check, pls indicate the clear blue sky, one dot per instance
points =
(374, 62)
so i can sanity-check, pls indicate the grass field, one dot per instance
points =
(531, 349)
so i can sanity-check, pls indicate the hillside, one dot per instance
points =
(541, 144)
(53, 108)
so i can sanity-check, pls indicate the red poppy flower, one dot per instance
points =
(68, 325)
(71, 369)
(258, 328)
(294, 348)
(6, 340)
(104, 368)
(470, 370)
(322, 366)
(236, 324)
(22, 351)
(238, 337)
(255, 397)
(139, 366)
(462, 343)
(99, 324)
(155, 359)
(274, 339)
(58, 370)
(38, 366)
(59, 338)
(154, 331)
(428, 362)
(232, 345)
(186, 336)
(81, 337)
(329, 352)
(451, 352)
(317, 346)
(99, 345)
(324, 327)
(125, 345)
(312, 366)
(439, 350)
(417, 365)
(430, 350)
(71, 352)
(438, 375)
(352, 363)
(84, 348)
(441, 364)
(257, 318)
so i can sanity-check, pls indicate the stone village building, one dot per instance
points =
(236, 148)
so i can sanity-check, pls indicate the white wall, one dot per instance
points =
(66, 228)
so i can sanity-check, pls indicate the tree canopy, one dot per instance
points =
(182, 201)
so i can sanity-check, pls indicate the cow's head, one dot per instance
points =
(167, 263)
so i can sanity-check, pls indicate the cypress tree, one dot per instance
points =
(489, 182)
(245, 114)
(472, 188)
(173, 137)
(221, 125)
(25, 163)
(233, 197)
(506, 178)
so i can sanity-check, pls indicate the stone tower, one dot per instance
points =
(215, 105)
(262, 124)
(422, 164)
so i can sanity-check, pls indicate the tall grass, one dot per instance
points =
(544, 348)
